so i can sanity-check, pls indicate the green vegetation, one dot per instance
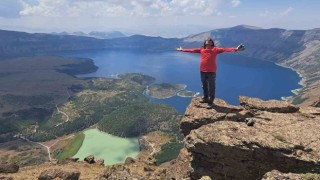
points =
(136, 119)
(38, 85)
(165, 90)
(280, 138)
(4, 158)
(142, 80)
(169, 151)
(117, 105)
(32, 86)
(71, 149)
(188, 94)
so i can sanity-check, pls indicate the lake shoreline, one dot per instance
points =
(105, 144)
(302, 82)
(171, 67)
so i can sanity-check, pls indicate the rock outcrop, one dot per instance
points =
(284, 138)
(269, 106)
(8, 167)
(277, 175)
(57, 173)
(317, 103)
(116, 172)
(89, 159)
(180, 168)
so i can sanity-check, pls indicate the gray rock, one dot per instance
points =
(89, 159)
(249, 122)
(100, 162)
(129, 160)
(116, 172)
(57, 173)
(205, 178)
(8, 168)
(310, 111)
(147, 168)
(270, 105)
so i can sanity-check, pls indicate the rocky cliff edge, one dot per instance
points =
(258, 139)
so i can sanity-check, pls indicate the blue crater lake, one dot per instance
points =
(236, 76)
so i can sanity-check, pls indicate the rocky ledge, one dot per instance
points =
(281, 137)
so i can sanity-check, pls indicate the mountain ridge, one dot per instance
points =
(94, 34)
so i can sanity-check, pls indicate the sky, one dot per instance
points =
(166, 18)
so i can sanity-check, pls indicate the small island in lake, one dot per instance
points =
(188, 94)
(164, 90)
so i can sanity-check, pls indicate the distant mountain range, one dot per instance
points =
(95, 34)
(297, 49)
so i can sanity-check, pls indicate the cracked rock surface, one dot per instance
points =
(284, 137)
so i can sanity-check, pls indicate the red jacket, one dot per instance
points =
(208, 57)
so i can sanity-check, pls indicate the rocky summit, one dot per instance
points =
(281, 138)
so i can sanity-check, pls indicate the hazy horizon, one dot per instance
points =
(166, 18)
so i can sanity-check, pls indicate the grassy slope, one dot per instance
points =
(71, 149)
(32, 86)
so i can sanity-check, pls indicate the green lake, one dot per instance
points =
(108, 147)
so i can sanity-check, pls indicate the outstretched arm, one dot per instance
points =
(195, 50)
(222, 50)
(239, 48)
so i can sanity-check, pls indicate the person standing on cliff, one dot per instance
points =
(208, 67)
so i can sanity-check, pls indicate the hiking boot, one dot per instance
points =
(204, 100)
(210, 106)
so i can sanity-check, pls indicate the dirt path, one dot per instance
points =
(47, 147)
(65, 114)
(151, 145)
(43, 145)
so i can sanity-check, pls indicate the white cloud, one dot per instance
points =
(287, 11)
(235, 3)
(139, 8)
(268, 13)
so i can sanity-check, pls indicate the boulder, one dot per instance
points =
(310, 111)
(116, 172)
(205, 178)
(148, 168)
(89, 159)
(57, 173)
(8, 167)
(100, 162)
(129, 160)
(270, 105)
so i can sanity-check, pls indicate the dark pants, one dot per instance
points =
(208, 80)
